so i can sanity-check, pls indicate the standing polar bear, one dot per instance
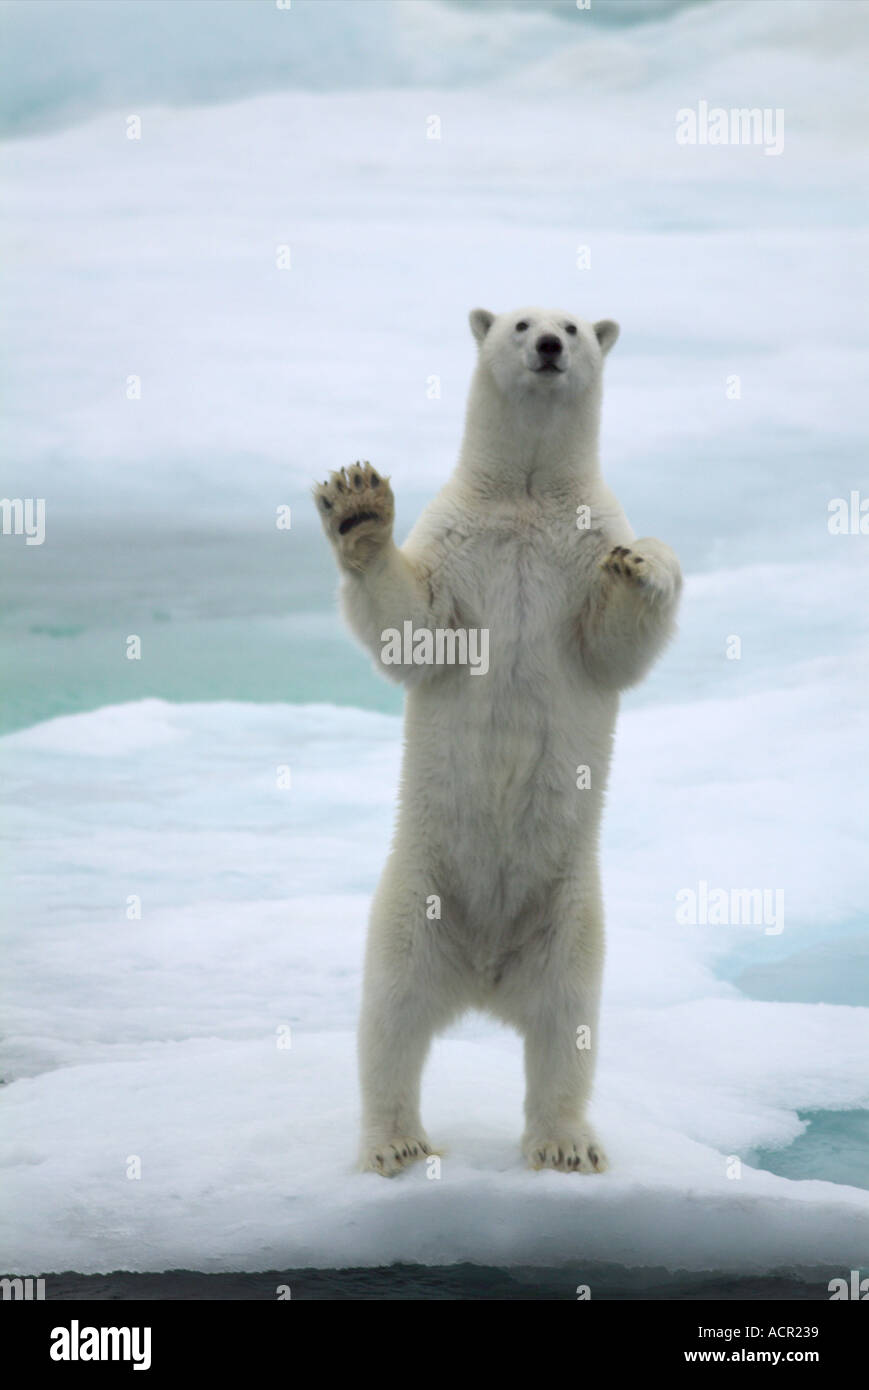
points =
(491, 895)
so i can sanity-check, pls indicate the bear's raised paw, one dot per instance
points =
(627, 564)
(357, 509)
(648, 566)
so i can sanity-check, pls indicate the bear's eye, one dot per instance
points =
(571, 327)
(521, 326)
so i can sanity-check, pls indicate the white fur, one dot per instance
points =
(491, 820)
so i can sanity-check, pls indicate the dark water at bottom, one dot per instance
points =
(461, 1282)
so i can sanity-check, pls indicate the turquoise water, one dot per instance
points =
(835, 1146)
(221, 616)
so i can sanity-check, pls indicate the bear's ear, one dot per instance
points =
(481, 321)
(606, 331)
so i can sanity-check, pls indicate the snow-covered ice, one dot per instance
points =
(160, 1037)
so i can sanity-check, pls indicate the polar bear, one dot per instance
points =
(490, 897)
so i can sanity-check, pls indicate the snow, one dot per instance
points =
(160, 1037)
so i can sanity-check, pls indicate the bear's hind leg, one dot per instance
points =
(407, 998)
(559, 1021)
(394, 1039)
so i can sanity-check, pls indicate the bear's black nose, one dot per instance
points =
(548, 345)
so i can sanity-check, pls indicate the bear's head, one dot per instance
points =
(545, 352)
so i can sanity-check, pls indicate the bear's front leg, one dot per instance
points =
(382, 589)
(631, 615)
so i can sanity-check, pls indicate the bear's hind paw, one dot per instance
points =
(391, 1158)
(569, 1153)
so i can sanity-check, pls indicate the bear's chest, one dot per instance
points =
(521, 582)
